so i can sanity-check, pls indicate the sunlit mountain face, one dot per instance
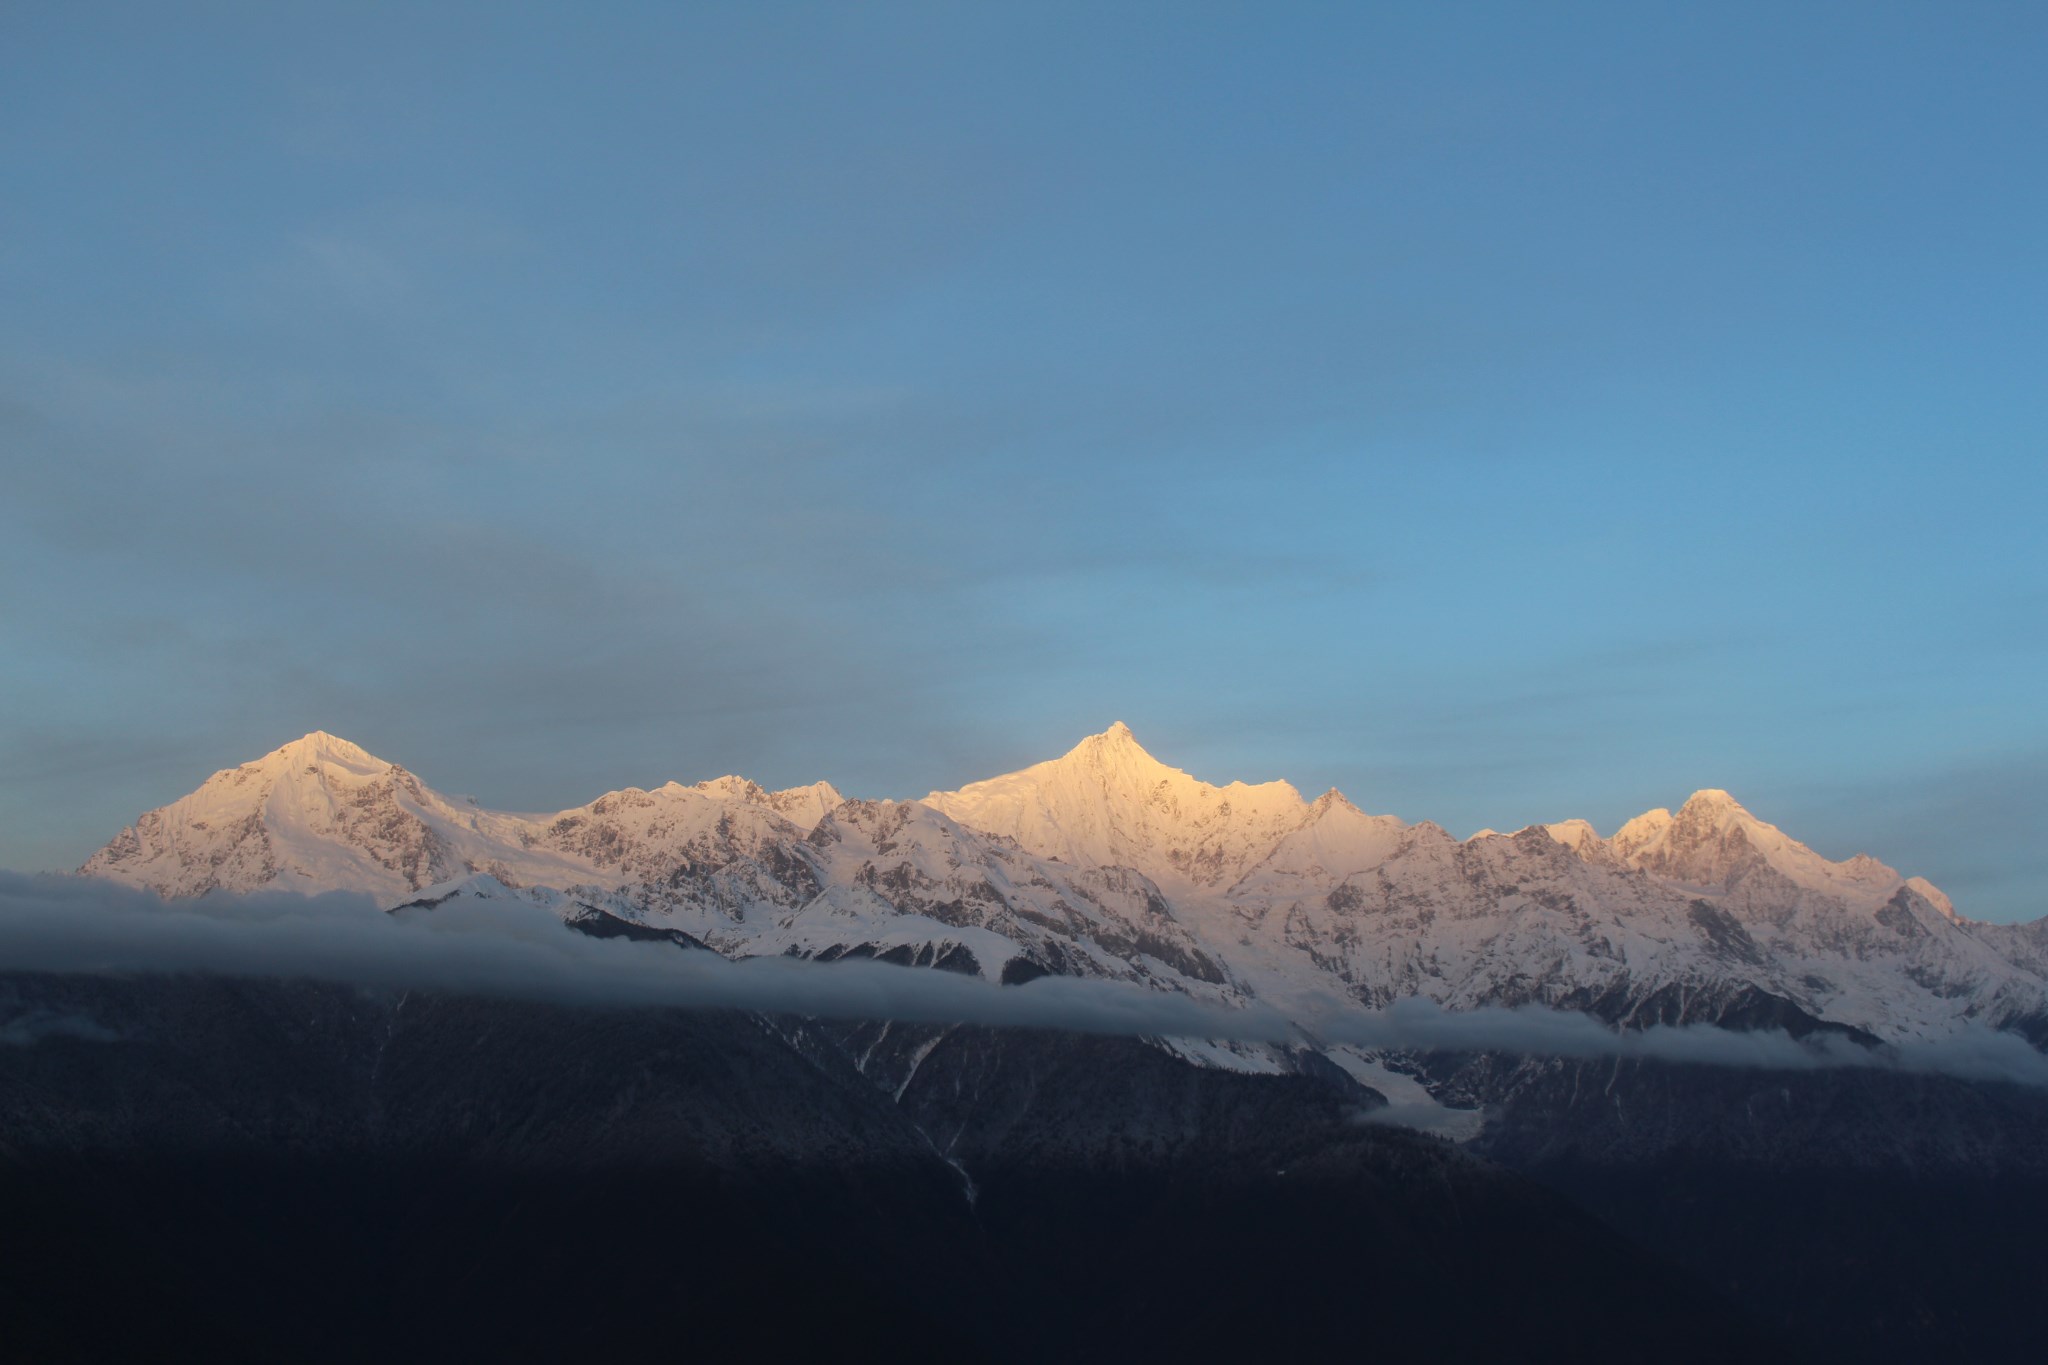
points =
(1107, 862)
(460, 1166)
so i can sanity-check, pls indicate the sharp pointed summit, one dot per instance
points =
(1109, 802)
(1332, 800)
(317, 747)
(1115, 744)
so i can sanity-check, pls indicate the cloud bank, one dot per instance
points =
(511, 949)
(1419, 1025)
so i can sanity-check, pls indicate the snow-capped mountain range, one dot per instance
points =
(1107, 862)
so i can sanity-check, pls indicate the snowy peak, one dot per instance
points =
(806, 806)
(319, 747)
(1710, 807)
(801, 806)
(1930, 893)
(318, 813)
(731, 787)
(1114, 758)
(1646, 831)
(1106, 861)
(1334, 840)
(1711, 834)
(1108, 802)
(1581, 838)
(321, 813)
(1714, 841)
(1329, 801)
(310, 756)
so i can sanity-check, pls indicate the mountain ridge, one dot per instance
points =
(1106, 861)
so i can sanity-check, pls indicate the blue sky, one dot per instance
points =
(1499, 412)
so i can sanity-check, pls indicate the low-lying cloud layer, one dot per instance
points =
(1418, 1025)
(511, 949)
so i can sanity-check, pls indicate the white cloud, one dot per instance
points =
(514, 950)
